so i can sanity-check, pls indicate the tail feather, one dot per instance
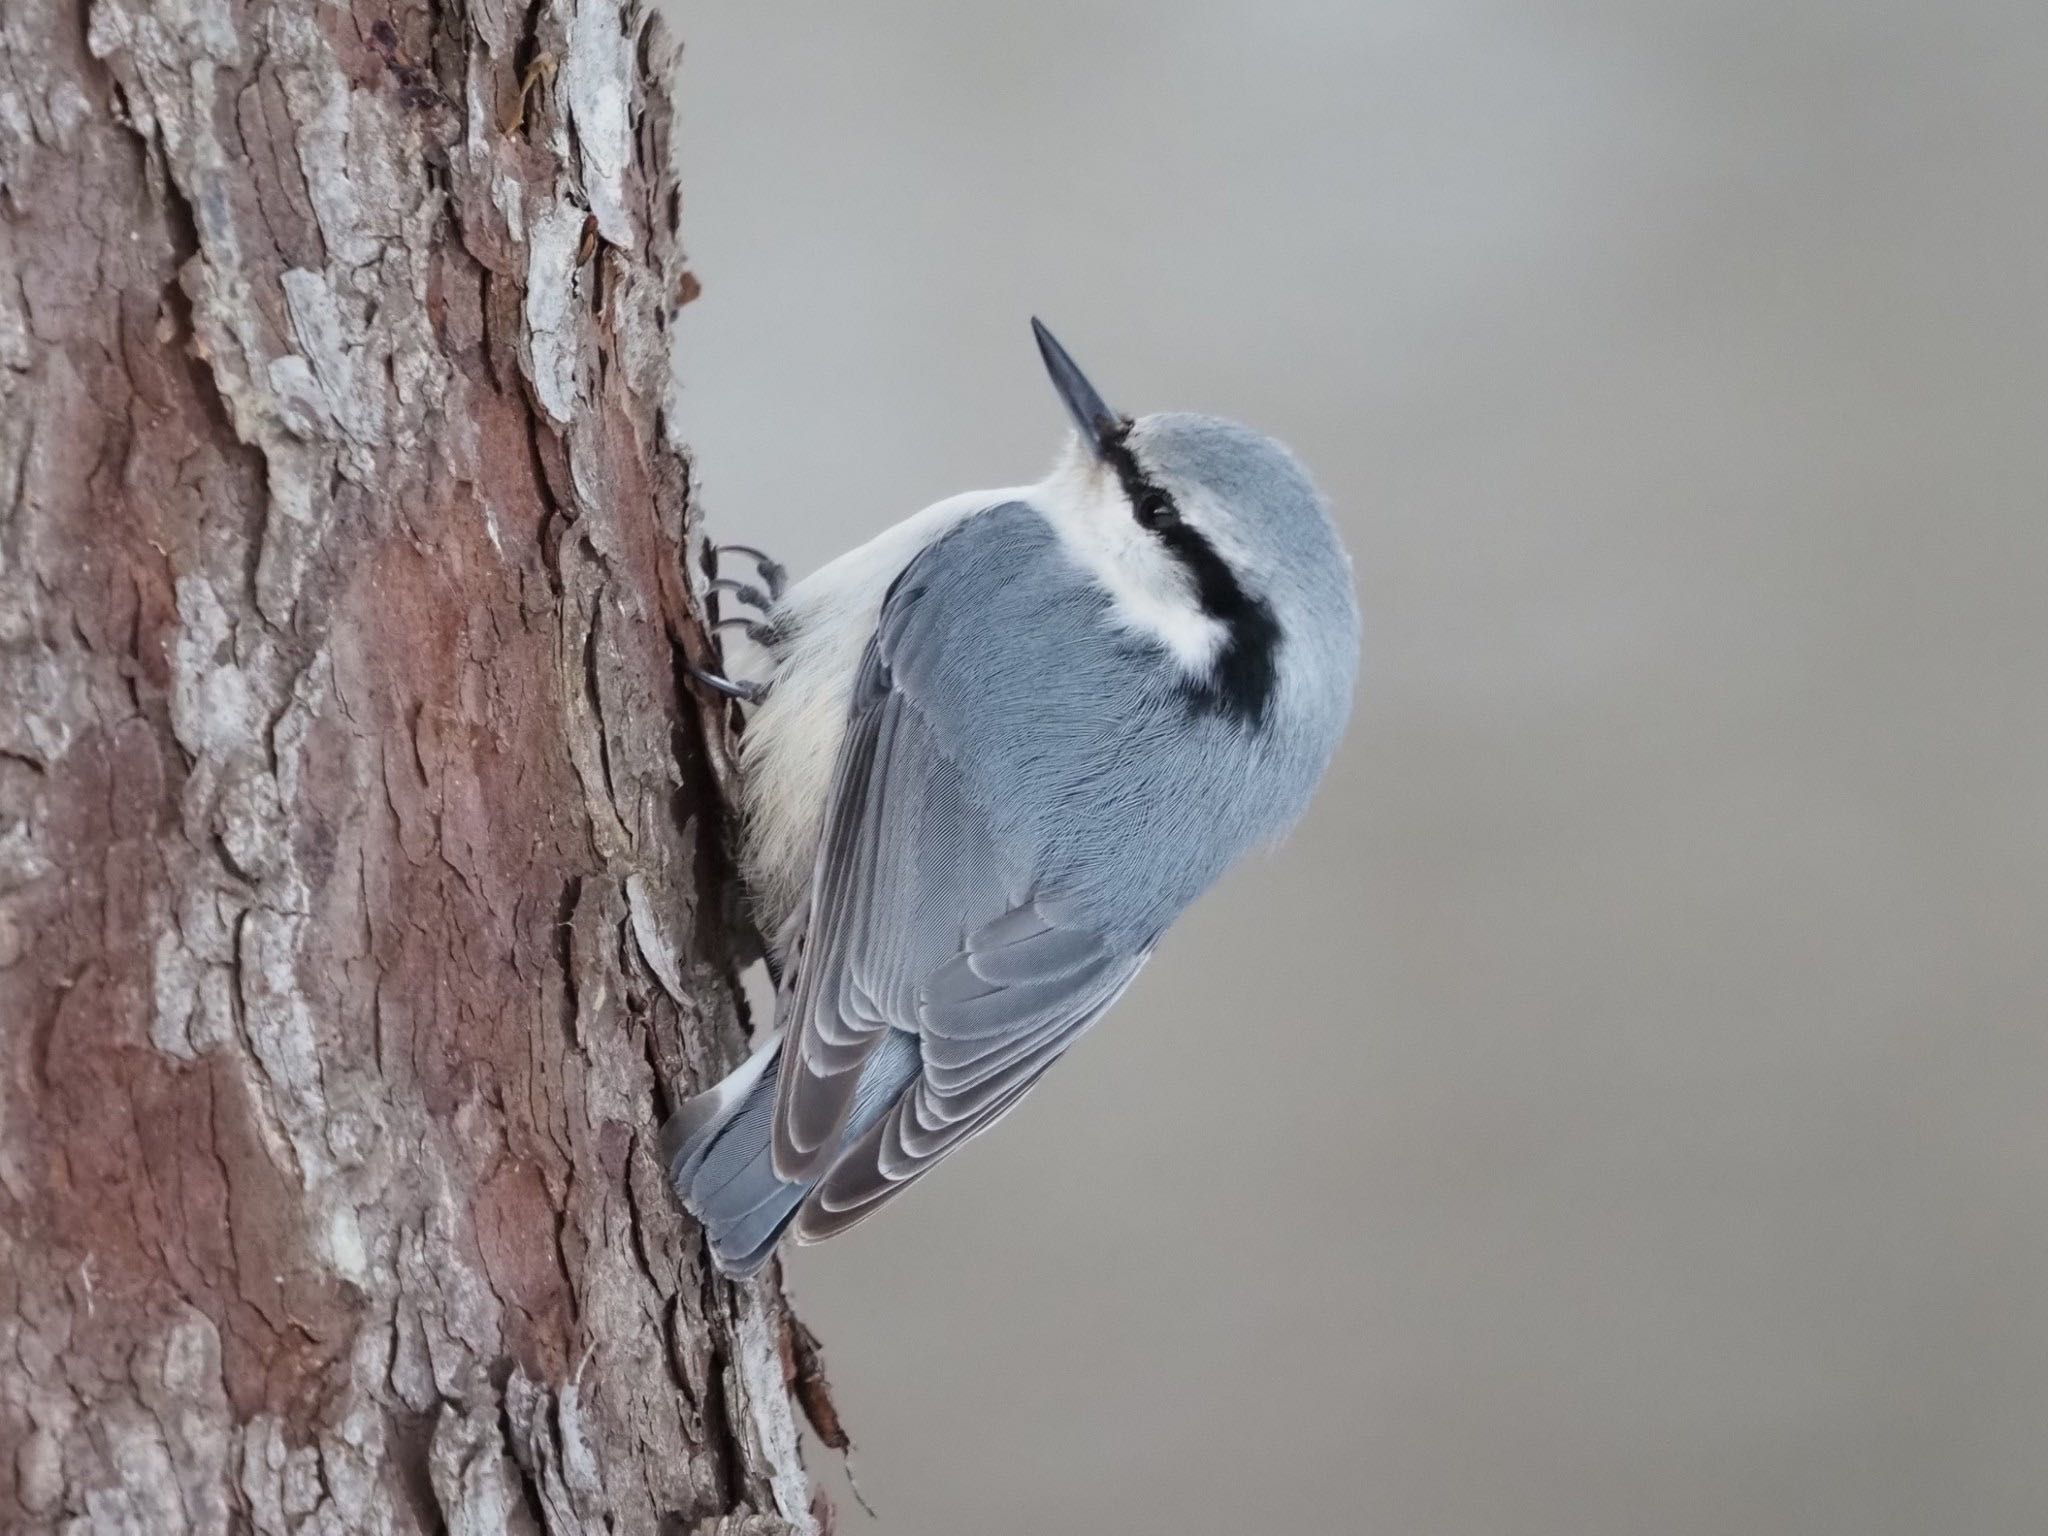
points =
(720, 1151)
(718, 1159)
(688, 1133)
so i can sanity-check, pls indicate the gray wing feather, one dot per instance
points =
(980, 1057)
(840, 1023)
(904, 863)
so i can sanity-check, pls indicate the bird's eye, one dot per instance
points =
(1156, 510)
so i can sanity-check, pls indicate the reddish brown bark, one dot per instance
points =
(360, 870)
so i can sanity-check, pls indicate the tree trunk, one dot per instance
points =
(361, 870)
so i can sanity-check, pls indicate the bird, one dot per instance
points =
(1003, 745)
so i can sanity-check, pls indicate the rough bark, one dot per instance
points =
(361, 878)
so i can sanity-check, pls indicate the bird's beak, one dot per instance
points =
(1101, 428)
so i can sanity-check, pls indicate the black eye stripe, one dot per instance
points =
(1154, 508)
(1242, 683)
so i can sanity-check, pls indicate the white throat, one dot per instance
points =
(1150, 591)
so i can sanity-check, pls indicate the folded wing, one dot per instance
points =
(922, 919)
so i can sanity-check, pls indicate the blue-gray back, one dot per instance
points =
(1077, 737)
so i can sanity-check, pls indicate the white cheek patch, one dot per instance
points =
(1150, 591)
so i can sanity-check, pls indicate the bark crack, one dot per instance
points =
(358, 886)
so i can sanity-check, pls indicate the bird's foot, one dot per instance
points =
(747, 692)
(772, 575)
(760, 596)
(760, 631)
(744, 593)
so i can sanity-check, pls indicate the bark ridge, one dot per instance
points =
(360, 863)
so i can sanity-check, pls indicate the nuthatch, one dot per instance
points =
(1006, 743)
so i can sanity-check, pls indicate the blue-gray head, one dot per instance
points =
(1214, 540)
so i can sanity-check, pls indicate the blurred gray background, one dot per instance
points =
(1623, 1107)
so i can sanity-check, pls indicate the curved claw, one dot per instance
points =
(748, 595)
(761, 634)
(745, 692)
(774, 575)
